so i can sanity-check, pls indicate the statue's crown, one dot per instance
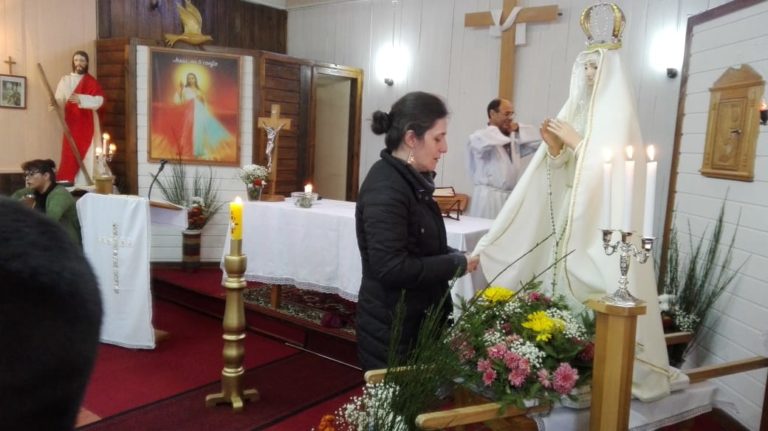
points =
(603, 24)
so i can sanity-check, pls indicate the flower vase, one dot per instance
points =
(254, 193)
(191, 249)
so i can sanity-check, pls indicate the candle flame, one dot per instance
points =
(763, 105)
(238, 200)
(105, 136)
(630, 150)
(651, 152)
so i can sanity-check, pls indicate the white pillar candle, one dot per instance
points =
(606, 223)
(104, 139)
(650, 192)
(629, 182)
(308, 190)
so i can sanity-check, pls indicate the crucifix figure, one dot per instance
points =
(273, 125)
(10, 64)
(519, 15)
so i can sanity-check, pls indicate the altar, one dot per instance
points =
(316, 248)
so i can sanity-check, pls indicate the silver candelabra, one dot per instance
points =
(627, 250)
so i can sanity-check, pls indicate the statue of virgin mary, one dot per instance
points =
(559, 200)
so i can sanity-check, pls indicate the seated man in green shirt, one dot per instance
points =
(43, 194)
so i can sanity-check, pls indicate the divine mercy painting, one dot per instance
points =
(194, 107)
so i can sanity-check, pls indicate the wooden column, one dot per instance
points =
(613, 364)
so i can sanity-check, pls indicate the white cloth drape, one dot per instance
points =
(116, 242)
(316, 248)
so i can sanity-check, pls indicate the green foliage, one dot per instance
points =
(696, 281)
(202, 201)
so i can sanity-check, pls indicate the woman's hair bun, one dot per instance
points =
(381, 122)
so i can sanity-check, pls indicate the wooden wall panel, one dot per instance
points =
(231, 23)
(281, 83)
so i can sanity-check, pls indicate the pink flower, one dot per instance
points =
(488, 377)
(497, 351)
(489, 374)
(565, 378)
(519, 368)
(543, 376)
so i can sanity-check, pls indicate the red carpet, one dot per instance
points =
(286, 386)
(124, 379)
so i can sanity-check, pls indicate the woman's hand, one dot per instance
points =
(565, 132)
(472, 263)
(553, 141)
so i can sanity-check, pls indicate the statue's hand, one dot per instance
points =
(553, 141)
(565, 132)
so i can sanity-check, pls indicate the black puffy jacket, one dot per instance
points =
(402, 241)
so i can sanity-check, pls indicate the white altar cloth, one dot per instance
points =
(116, 242)
(681, 405)
(316, 248)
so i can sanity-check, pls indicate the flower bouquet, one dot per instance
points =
(524, 347)
(255, 179)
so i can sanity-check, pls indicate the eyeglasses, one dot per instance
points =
(30, 173)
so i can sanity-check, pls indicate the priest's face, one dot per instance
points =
(428, 150)
(79, 64)
(504, 117)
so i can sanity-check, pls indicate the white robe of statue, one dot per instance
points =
(563, 195)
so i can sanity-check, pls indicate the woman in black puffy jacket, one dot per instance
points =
(400, 230)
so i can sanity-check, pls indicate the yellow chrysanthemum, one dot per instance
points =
(497, 294)
(543, 325)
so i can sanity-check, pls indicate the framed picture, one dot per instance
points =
(194, 107)
(13, 92)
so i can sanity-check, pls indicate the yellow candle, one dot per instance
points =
(236, 218)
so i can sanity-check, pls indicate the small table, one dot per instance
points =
(316, 248)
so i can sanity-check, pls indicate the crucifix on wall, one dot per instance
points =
(273, 125)
(505, 23)
(10, 64)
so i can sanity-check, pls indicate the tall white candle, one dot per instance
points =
(650, 192)
(629, 183)
(606, 223)
(104, 139)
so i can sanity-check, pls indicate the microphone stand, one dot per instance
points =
(154, 179)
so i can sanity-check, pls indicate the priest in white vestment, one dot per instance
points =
(497, 156)
(560, 197)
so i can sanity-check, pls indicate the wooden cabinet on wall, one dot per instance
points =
(279, 79)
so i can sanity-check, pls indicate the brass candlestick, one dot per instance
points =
(622, 296)
(232, 391)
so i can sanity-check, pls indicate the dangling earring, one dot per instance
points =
(410, 157)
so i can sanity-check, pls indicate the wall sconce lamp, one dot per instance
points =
(763, 113)
(671, 72)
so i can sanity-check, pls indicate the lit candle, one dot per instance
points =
(650, 191)
(98, 151)
(607, 190)
(629, 182)
(104, 140)
(308, 190)
(236, 218)
(112, 149)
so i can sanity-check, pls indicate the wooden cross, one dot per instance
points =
(273, 125)
(507, 67)
(10, 64)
